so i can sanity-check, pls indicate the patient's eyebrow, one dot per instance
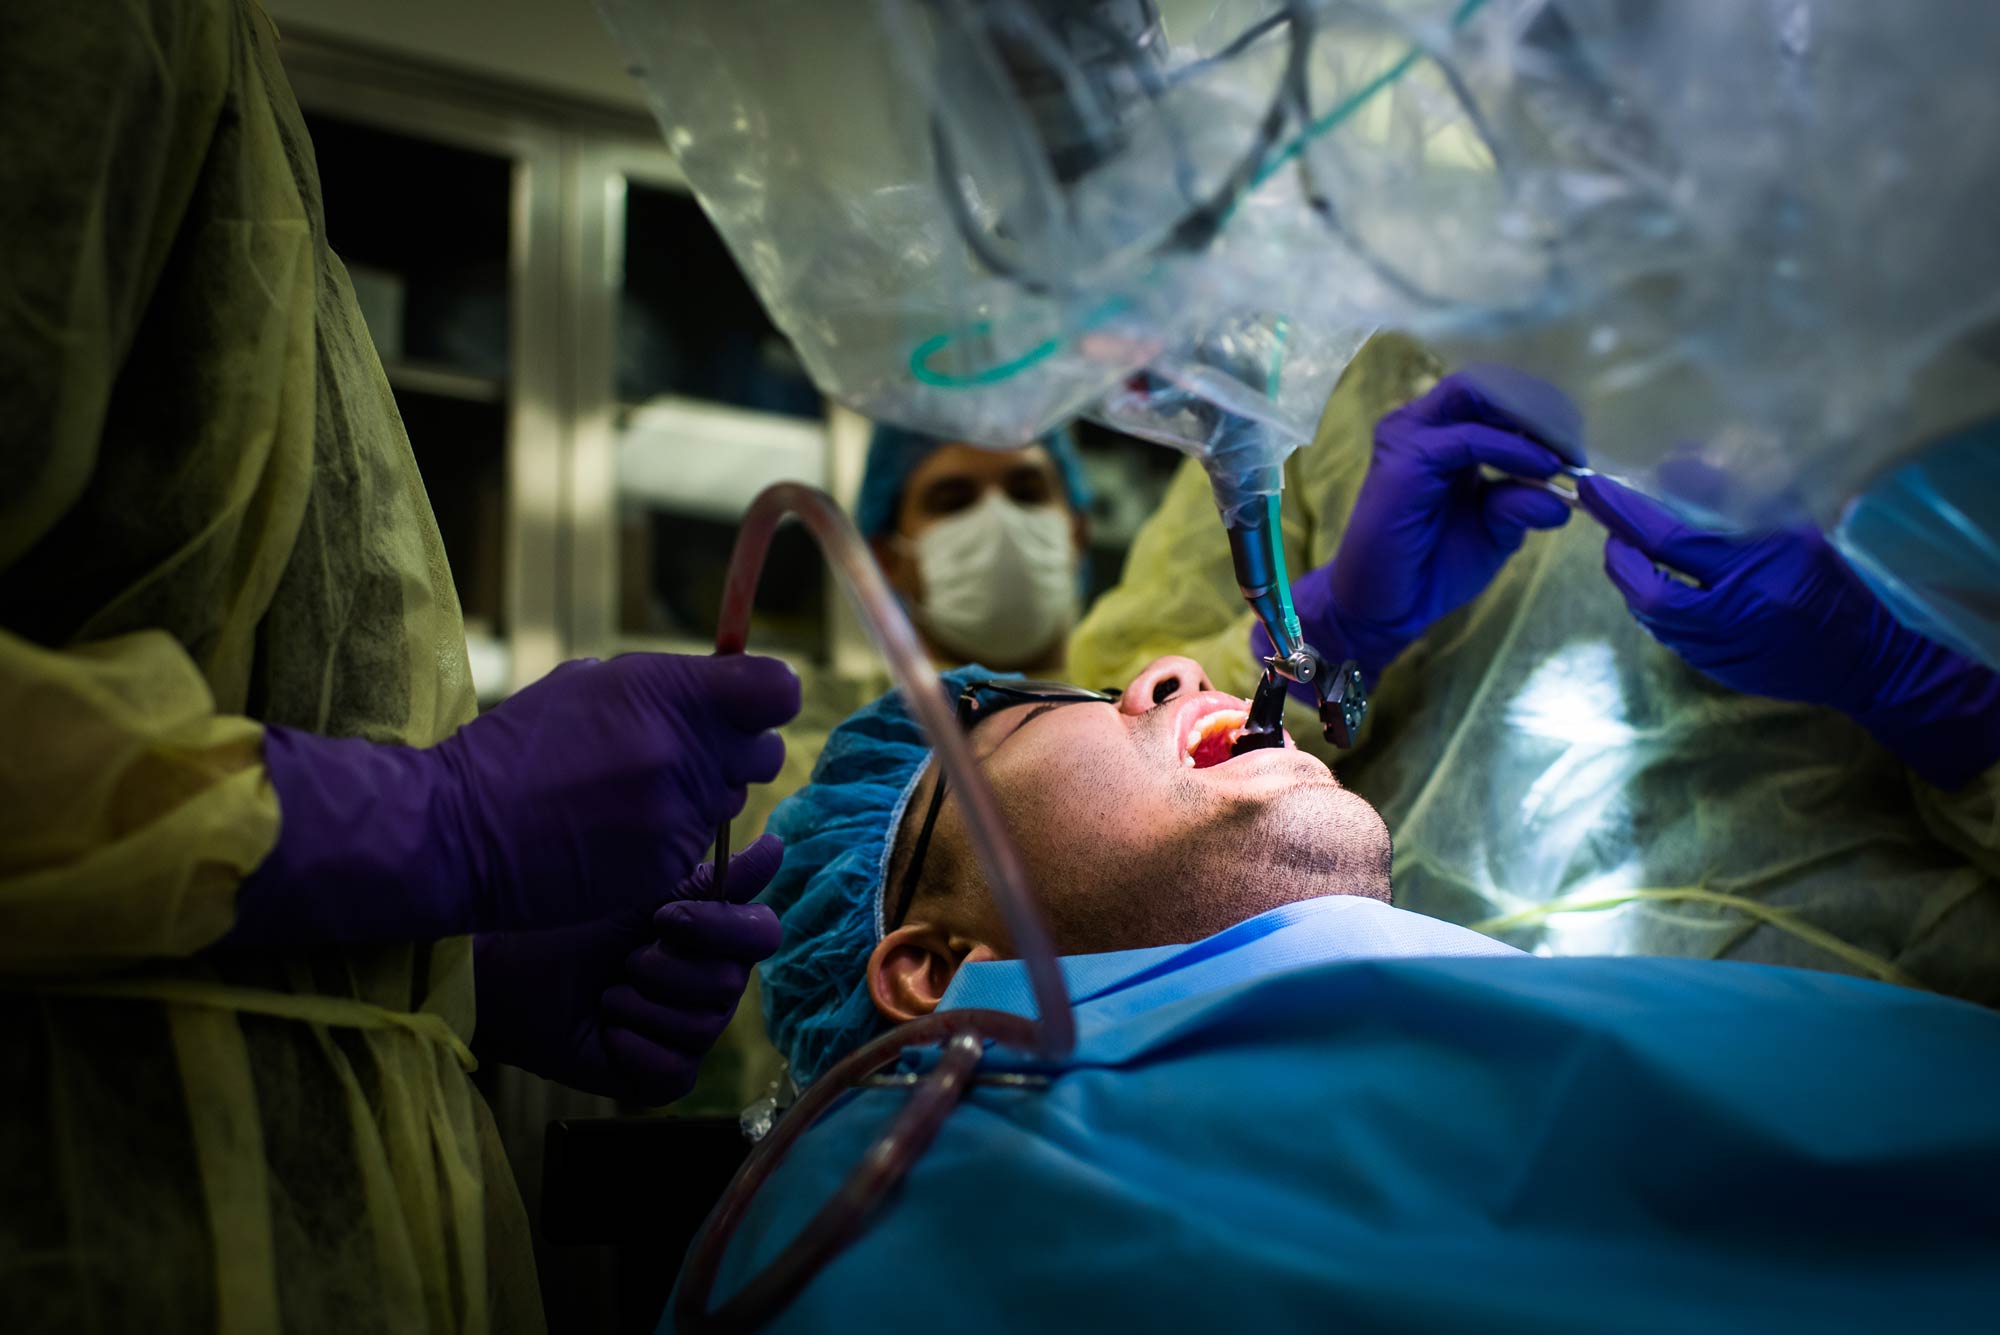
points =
(1026, 719)
(1035, 713)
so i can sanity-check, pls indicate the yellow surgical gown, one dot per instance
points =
(209, 519)
(1538, 751)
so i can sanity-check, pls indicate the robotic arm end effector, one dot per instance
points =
(1343, 701)
(1256, 547)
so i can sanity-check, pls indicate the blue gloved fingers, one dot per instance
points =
(741, 697)
(1659, 532)
(752, 691)
(1512, 508)
(585, 793)
(699, 928)
(1505, 397)
(751, 868)
(673, 977)
(1639, 520)
(1427, 532)
(653, 1074)
(688, 1030)
(754, 759)
(1464, 446)
(747, 691)
(1524, 406)
(1657, 599)
(720, 803)
(570, 667)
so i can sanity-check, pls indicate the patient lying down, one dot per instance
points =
(1293, 1105)
(1128, 840)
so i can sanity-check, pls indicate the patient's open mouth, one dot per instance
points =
(1208, 741)
(1204, 729)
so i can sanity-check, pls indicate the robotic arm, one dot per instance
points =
(1256, 548)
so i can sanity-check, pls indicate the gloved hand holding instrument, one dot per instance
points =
(1430, 527)
(627, 1005)
(582, 797)
(1781, 614)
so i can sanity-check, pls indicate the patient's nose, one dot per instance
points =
(1163, 679)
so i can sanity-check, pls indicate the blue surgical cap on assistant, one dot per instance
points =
(893, 452)
(839, 832)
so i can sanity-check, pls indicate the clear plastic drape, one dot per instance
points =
(1754, 241)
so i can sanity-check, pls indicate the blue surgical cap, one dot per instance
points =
(839, 831)
(894, 452)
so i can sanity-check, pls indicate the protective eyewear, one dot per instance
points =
(981, 700)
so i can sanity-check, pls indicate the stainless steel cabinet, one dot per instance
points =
(691, 403)
(591, 389)
(592, 392)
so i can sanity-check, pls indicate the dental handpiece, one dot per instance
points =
(1256, 549)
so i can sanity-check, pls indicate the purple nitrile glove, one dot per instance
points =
(577, 797)
(628, 1006)
(1781, 614)
(1428, 533)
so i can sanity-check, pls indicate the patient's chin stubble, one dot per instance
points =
(1216, 863)
(1212, 874)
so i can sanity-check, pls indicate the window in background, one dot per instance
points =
(688, 323)
(713, 406)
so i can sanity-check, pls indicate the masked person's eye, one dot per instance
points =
(1029, 486)
(947, 496)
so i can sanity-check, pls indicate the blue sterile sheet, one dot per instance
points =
(1341, 1116)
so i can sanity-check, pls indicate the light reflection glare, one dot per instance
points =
(1567, 729)
(1605, 931)
(1574, 696)
(1570, 717)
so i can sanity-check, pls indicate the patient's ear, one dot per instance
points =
(913, 965)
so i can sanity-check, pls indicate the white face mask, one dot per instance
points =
(999, 581)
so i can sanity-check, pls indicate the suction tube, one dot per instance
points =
(889, 627)
(964, 1033)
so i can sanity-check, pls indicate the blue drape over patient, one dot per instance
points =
(1321, 1119)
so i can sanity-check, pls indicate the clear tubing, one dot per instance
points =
(889, 627)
